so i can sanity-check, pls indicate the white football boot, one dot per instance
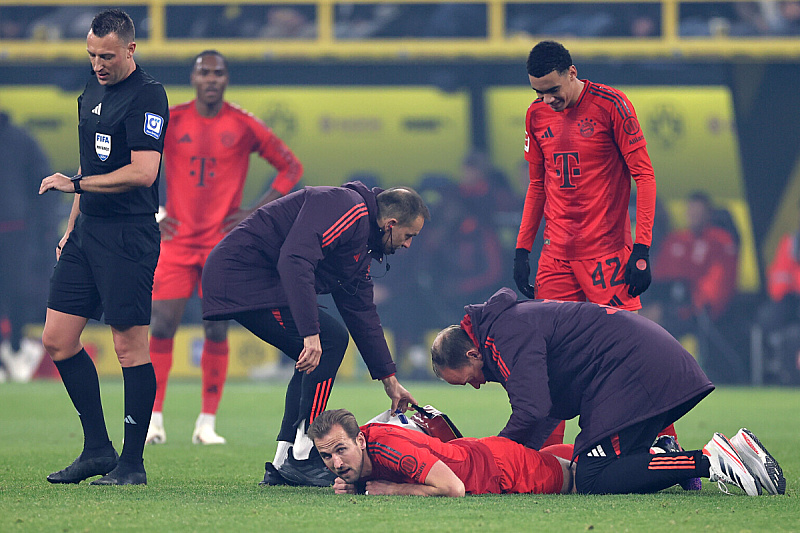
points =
(204, 430)
(765, 468)
(155, 431)
(725, 466)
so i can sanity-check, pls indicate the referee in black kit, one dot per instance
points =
(107, 257)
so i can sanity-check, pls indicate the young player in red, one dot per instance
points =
(206, 156)
(583, 144)
(389, 459)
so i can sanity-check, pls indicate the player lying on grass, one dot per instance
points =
(624, 375)
(388, 459)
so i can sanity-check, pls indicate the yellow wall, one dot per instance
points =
(396, 133)
(249, 356)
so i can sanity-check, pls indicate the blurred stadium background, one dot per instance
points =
(433, 94)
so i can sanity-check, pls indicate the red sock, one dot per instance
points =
(161, 357)
(214, 364)
(669, 430)
(557, 436)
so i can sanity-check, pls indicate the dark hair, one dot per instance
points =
(449, 349)
(323, 424)
(205, 53)
(114, 21)
(402, 203)
(546, 57)
(701, 197)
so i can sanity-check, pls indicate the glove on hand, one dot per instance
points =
(637, 271)
(522, 273)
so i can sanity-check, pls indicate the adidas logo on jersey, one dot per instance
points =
(615, 301)
(185, 139)
(597, 451)
(129, 420)
(96, 109)
(548, 134)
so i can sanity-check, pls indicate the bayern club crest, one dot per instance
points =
(102, 145)
(586, 127)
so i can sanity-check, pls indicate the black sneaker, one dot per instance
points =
(309, 472)
(668, 443)
(272, 477)
(124, 474)
(81, 468)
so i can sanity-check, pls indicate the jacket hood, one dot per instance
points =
(483, 315)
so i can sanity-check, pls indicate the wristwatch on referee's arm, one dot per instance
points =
(76, 182)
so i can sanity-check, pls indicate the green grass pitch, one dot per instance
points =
(214, 488)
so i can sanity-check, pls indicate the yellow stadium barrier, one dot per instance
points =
(250, 357)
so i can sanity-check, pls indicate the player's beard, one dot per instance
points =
(356, 472)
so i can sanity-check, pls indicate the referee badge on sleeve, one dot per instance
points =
(153, 124)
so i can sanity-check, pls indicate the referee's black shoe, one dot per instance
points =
(308, 472)
(86, 467)
(272, 477)
(124, 474)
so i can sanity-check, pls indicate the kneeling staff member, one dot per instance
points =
(624, 375)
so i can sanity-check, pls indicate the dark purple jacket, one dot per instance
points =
(319, 240)
(558, 360)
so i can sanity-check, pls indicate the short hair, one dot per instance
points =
(323, 424)
(701, 197)
(449, 349)
(114, 21)
(205, 53)
(546, 57)
(402, 203)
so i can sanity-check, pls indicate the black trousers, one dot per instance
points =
(623, 464)
(307, 394)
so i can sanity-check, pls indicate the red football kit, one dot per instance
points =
(707, 262)
(206, 160)
(581, 162)
(783, 274)
(490, 465)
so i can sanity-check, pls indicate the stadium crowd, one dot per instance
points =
(770, 18)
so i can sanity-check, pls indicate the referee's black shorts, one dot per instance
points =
(106, 269)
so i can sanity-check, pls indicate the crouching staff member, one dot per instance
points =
(266, 275)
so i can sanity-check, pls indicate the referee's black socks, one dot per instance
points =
(140, 393)
(80, 379)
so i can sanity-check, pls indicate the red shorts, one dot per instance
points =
(178, 272)
(525, 470)
(601, 280)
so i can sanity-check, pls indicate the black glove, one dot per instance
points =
(637, 271)
(522, 273)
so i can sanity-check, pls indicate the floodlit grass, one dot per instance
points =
(214, 488)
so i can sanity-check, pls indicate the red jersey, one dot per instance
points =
(581, 163)
(707, 262)
(491, 465)
(206, 161)
(783, 274)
